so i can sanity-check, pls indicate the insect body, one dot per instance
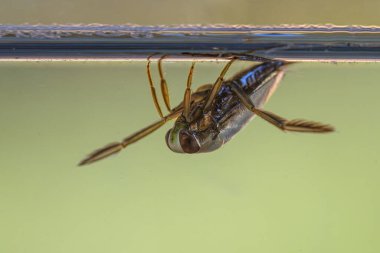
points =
(213, 114)
(210, 128)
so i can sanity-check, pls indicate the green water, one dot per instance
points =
(265, 191)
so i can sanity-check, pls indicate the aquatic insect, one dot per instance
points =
(209, 117)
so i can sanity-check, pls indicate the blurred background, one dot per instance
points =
(147, 12)
(265, 191)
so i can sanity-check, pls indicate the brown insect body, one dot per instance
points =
(213, 114)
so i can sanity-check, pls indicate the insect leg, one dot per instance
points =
(296, 125)
(187, 96)
(152, 89)
(164, 85)
(116, 147)
(216, 86)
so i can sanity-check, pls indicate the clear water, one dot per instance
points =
(265, 191)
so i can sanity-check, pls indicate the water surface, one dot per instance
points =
(265, 191)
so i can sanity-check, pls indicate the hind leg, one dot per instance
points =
(296, 125)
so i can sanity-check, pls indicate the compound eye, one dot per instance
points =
(188, 142)
(167, 136)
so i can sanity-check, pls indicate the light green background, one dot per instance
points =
(265, 191)
(259, 12)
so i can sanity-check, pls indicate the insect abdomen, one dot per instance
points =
(253, 77)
